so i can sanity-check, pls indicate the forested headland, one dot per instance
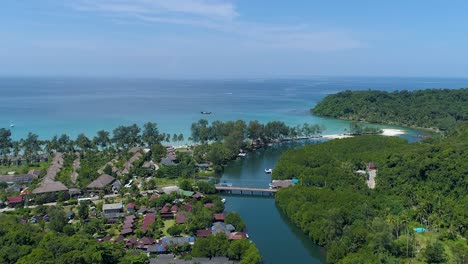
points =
(432, 108)
(417, 185)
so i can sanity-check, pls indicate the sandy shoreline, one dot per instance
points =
(392, 132)
(337, 136)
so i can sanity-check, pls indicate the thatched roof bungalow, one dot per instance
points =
(49, 186)
(100, 183)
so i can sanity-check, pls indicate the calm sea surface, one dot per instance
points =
(50, 106)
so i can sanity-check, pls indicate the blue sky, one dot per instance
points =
(233, 38)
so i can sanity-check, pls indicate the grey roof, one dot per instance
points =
(34, 172)
(219, 227)
(117, 184)
(170, 189)
(281, 183)
(20, 178)
(230, 227)
(177, 240)
(167, 162)
(101, 182)
(113, 206)
(48, 186)
(74, 191)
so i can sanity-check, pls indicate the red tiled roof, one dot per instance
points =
(131, 206)
(127, 225)
(203, 232)
(165, 209)
(174, 208)
(131, 241)
(237, 235)
(188, 207)
(209, 205)
(119, 238)
(148, 220)
(219, 217)
(154, 196)
(15, 199)
(146, 241)
(126, 231)
(180, 218)
(197, 195)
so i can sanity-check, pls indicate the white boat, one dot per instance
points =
(242, 154)
(223, 200)
(268, 170)
(12, 125)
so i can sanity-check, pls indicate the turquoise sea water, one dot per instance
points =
(49, 106)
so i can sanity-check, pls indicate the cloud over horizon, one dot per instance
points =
(223, 17)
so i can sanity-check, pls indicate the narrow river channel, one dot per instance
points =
(278, 240)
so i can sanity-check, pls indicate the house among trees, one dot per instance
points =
(50, 186)
(130, 207)
(21, 178)
(219, 227)
(166, 212)
(371, 166)
(180, 218)
(237, 235)
(218, 217)
(15, 200)
(177, 241)
(149, 219)
(276, 184)
(100, 183)
(203, 232)
(167, 162)
(129, 164)
(112, 211)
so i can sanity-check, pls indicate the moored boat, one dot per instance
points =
(268, 170)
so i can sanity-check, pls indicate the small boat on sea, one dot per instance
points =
(223, 200)
(205, 113)
(268, 170)
(242, 154)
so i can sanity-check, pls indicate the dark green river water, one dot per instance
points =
(278, 240)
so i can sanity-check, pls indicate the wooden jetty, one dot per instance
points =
(245, 190)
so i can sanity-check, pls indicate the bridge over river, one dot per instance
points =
(245, 190)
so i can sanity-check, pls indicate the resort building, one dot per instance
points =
(112, 211)
(101, 183)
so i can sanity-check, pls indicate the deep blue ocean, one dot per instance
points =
(49, 106)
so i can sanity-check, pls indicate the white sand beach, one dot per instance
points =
(336, 136)
(392, 132)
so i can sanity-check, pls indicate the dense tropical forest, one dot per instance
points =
(417, 185)
(441, 109)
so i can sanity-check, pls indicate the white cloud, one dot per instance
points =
(214, 10)
(222, 16)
